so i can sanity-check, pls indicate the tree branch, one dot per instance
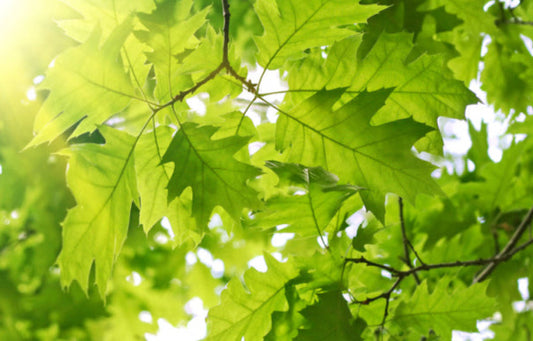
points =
(227, 15)
(224, 65)
(507, 251)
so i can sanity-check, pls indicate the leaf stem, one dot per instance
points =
(405, 241)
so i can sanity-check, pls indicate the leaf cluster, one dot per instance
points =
(165, 200)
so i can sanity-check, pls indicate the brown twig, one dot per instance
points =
(508, 250)
(227, 15)
(490, 263)
(224, 65)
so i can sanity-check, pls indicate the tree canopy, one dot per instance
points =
(143, 165)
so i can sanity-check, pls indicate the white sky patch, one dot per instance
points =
(322, 240)
(195, 330)
(271, 82)
(354, 221)
(255, 117)
(135, 278)
(523, 287)
(38, 79)
(511, 3)
(115, 120)
(485, 45)
(31, 94)
(258, 263)
(281, 227)
(205, 257)
(165, 223)
(280, 239)
(195, 307)
(1, 169)
(279, 257)
(161, 238)
(217, 268)
(145, 316)
(190, 258)
(457, 140)
(215, 221)
(254, 147)
(196, 105)
(386, 274)
(488, 5)
(528, 42)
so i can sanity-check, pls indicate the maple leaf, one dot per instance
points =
(208, 166)
(242, 314)
(88, 84)
(507, 85)
(152, 180)
(103, 13)
(330, 319)
(444, 309)
(343, 141)
(504, 186)
(311, 212)
(291, 26)
(422, 88)
(171, 29)
(102, 179)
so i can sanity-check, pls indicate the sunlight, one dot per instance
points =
(14, 22)
(7, 7)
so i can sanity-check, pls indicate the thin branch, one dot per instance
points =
(225, 55)
(386, 296)
(363, 260)
(405, 241)
(387, 300)
(416, 253)
(522, 246)
(507, 251)
(224, 65)
(426, 267)
(227, 15)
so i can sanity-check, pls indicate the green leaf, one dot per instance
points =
(208, 166)
(291, 26)
(343, 141)
(88, 84)
(152, 179)
(444, 309)
(504, 187)
(365, 235)
(478, 153)
(502, 78)
(285, 323)
(102, 179)
(103, 13)
(310, 213)
(170, 31)
(423, 88)
(247, 314)
(330, 319)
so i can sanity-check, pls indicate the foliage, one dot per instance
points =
(380, 244)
